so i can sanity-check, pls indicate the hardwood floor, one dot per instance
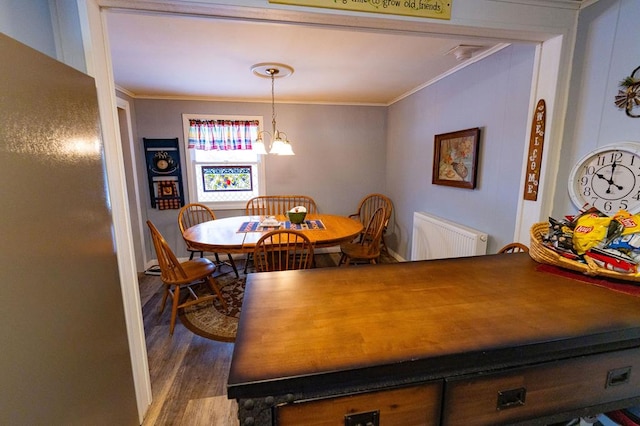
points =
(188, 372)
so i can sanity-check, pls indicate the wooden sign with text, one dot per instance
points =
(437, 9)
(534, 158)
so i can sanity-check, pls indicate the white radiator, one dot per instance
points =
(438, 238)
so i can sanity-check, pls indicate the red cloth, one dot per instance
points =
(619, 417)
(627, 287)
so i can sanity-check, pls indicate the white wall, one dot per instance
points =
(29, 22)
(607, 51)
(492, 94)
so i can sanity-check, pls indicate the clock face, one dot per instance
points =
(608, 179)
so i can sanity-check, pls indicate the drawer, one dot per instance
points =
(543, 389)
(415, 406)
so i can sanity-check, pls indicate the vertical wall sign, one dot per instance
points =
(536, 142)
(437, 9)
(163, 171)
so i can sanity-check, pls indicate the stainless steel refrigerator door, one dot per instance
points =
(65, 355)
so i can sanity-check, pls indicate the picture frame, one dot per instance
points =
(455, 158)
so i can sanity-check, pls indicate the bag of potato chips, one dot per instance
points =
(630, 223)
(590, 231)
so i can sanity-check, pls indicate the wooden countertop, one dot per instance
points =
(417, 320)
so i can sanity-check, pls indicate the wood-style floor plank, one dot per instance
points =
(185, 369)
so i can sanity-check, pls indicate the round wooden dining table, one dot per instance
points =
(226, 235)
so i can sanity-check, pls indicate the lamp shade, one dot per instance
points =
(258, 147)
(276, 147)
(286, 149)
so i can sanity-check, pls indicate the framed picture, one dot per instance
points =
(455, 158)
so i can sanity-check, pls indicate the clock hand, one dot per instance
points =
(611, 182)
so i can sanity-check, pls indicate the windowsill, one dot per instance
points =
(231, 205)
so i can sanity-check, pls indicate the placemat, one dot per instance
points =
(307, 224)
(616, 285)
(255, 227)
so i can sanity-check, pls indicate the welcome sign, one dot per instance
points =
(438, 9)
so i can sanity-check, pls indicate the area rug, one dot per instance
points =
(209, 319)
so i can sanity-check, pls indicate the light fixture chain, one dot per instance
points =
(273, 102)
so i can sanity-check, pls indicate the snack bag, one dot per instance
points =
(630, 223)
(559, 237)
(612, 260)
(627, 244)
(587, 210)
(590, 231)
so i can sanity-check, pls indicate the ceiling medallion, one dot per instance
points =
(269, 69)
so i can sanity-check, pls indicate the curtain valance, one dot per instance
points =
(223, 135)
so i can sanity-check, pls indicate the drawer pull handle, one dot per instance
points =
(619, 376)
(511, 398)
(370, 418)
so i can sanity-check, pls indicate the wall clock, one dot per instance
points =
(608, 178)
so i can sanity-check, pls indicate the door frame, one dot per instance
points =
(550, 82)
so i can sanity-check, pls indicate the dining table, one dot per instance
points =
(239, 234)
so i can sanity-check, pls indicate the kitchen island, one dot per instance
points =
(484, 340)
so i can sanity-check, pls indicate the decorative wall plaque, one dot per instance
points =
(534, 158)
(628, 96)
(437, 9)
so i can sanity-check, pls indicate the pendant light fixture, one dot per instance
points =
(279, 143)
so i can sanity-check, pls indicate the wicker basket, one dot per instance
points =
(540, 253)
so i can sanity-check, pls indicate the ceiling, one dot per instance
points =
(160, 55)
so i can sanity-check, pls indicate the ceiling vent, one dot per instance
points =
(463, 52)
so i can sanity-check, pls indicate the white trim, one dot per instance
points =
(552, 85)
(124, 105)
(57, 30)
(555, 64)
(566, 4)
(191, 178)
(98, 59)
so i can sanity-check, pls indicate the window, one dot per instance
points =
(225, 176)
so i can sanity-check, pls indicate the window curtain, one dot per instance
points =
(224, 135)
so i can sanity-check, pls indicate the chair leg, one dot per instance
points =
(215, 288)
(174, 309)
(165, 296)
(233, 265)
(383, 248)
(246, 262)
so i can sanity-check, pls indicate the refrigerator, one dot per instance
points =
(64, 357)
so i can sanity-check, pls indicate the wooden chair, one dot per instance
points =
(282, 250)
(514, 248)
(273, 205)
(193, 214)
(368, 205)
(176, 275)
(368, 247)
